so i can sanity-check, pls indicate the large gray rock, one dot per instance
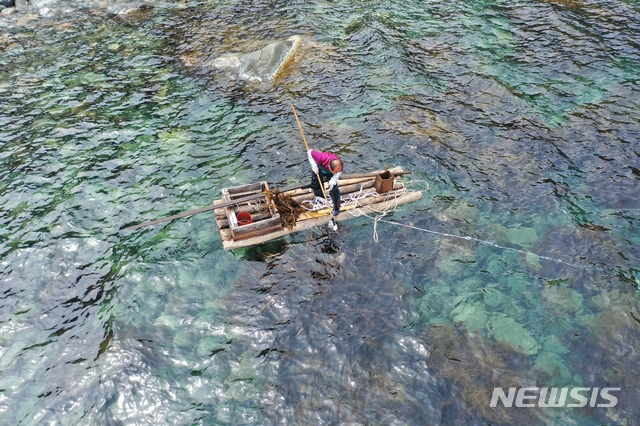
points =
(263, 65)
(42, 3)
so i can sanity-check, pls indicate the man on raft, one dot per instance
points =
(328, 166)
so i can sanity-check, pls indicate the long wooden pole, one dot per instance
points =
(333, 223)
(211, 207)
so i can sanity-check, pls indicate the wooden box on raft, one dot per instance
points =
(384, 182)
(266, 221)
(263, 220)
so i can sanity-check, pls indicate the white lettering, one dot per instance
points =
(594, 397)
(507, 401)
(552, 398)
(605, 394)
(575, 394)
(522, 396)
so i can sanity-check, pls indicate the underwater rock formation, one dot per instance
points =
(606, 355)
(263, 65)
(473, 366)
(505, 329)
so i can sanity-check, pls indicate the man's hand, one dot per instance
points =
(333, 182)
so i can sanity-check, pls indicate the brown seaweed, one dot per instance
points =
(288, 208)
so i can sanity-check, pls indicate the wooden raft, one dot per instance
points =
(266, 224)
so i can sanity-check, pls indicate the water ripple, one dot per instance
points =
(521, 116)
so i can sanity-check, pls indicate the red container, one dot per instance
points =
(244, 218)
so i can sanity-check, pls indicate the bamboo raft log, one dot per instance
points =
(386, 191)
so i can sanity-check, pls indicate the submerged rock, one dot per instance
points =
(457, 267)
(130, 14)
(522, 236)
(496, 268)
(562, 299)
(461, 212)
(184, 339)
(473, 315)
(553, 344)
(468, 285)
(505, 329)
(263, 65)
(533, 261)
(11, 354)
(471, 366)
(209, 345)
(168, 321)
(494, 298)
(553, 365)
(435, 300)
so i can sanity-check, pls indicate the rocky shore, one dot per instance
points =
(7, 7)
(54, 8)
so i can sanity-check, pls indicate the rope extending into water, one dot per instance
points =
(379, 217)
(360, 210)
(477, 240)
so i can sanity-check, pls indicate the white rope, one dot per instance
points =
(422, 181)
(379, 217)
(255, 205)
(319, 203)
(316, 204)
(485, 242)
(358, 210)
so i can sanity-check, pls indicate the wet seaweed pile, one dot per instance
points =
(288, 208)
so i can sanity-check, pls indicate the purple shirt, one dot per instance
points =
(324, 158)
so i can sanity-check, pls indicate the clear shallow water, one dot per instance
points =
(521, 117)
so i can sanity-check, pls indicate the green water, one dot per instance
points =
(518, 267)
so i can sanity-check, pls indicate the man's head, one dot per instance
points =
(336, 165)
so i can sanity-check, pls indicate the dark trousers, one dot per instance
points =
(334, 193)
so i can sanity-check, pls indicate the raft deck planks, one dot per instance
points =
(266, 226)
